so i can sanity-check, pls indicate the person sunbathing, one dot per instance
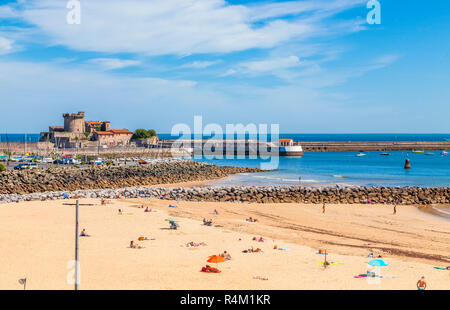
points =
(134, 245)
(226, 255)
(84, 234)
(216, 212)
(208, 269)
(147, 210)
(103, 202)
(207, 223)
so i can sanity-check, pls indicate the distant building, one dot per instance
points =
(77, 130)
(286, 142)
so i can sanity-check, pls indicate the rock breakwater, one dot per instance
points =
(71, 179)
(260, 194)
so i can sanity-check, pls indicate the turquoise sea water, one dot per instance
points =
(346, 168)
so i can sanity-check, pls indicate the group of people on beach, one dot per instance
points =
(207, 222)
(251, 220)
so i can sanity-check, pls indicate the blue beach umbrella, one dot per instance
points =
(378, 263)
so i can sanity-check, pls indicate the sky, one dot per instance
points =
(309, 66)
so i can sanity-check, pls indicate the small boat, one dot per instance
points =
(418, 152)
(361, 154)
(444, 153)
(429, 154)
(384, 154)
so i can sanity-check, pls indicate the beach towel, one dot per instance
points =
(64, 195)
(441, 268)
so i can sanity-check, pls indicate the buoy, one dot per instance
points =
(407, 164)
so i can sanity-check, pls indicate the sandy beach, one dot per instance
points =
(37, 242)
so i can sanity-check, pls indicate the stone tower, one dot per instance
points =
(74, 122)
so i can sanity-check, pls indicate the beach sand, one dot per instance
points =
(37, 242)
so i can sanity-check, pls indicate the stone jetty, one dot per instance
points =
(258, 194)
(70, 179)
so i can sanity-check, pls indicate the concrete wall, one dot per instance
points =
(20, 148)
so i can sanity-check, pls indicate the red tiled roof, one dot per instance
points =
(285, 140)
(119, 131)
(104, 133)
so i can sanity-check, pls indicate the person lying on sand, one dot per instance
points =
(84, 234)
(194, 244)
(210, 269)
(207, 223)
(251, 250)
(260, 239)
(251, 220)
(134, 245)
(148, 210)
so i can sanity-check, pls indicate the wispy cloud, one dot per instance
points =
(200, 64)
(266, 65)
(6, 46)
(113, 63)
(178, 26)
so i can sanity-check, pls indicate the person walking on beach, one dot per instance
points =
(323, 208)
(421, 284)
(395, 209)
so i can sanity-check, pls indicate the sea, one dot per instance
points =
(331, 168)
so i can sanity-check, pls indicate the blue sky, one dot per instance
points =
(310, 66)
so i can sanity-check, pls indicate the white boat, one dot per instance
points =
(361, 154)
(444, 153)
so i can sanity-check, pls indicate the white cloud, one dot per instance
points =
(181, 27)
(7, 12)
(113, 63)
(6, 46)
(271, 66)
(200, 64)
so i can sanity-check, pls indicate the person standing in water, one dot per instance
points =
(421, 284)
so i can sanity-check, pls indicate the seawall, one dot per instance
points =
(259, 194)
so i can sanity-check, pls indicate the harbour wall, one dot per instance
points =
(258, 194)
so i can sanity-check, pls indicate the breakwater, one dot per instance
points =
(259, 194)
(71, 178)
(373, 146)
